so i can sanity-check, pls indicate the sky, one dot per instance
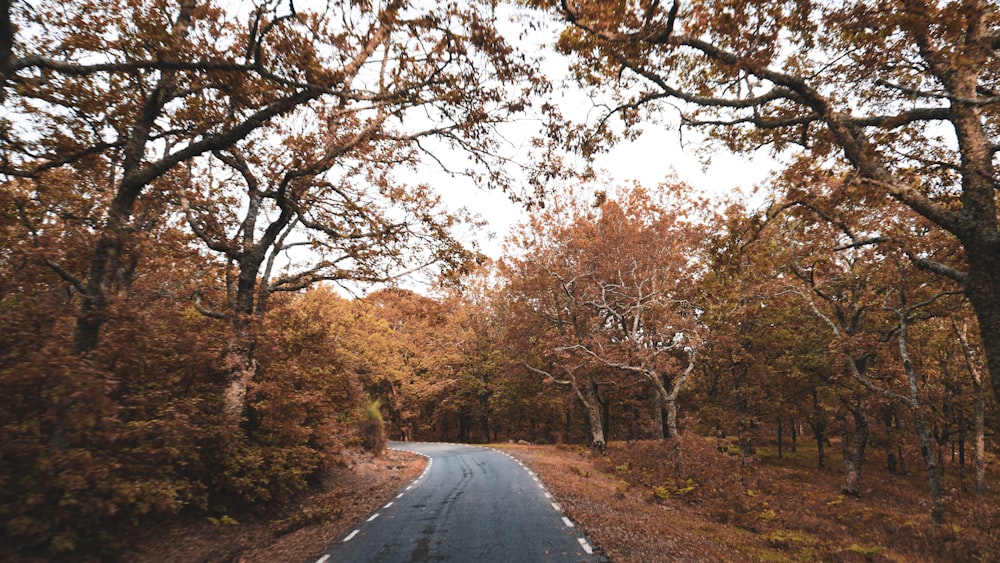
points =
(657, 155)
(649, 160)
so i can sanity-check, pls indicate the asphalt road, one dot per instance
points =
(471, 504)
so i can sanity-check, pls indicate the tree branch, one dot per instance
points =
(66, 276)
(196, 297)
(938, 268)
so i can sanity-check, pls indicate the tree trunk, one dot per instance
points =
(794, 430)
(657, 414)
(855, 440)
(605, 413)
(670, 399)
(673, 431)
(240, 364)
(240, 371)
(931, 464)
(592, 409)
(982, 285)
(818, 428)
(747, 437)
(979, 444)
(779, 437)
(979, 411)
(104, 262)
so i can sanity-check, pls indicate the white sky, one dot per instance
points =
(649, 160)
(654, 157)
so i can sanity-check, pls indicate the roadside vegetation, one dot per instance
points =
(637, 504)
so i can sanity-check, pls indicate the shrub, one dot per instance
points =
(372, 428)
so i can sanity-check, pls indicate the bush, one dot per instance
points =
(372, 428)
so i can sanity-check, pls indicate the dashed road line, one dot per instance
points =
(586, 546)
(323, 559)
(390, 504)
(351, 535)
(373, 517)
(568, 522)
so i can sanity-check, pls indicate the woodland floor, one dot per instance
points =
(636, 504)
(296, 532)
(632, 507)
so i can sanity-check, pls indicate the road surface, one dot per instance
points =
(471, 504)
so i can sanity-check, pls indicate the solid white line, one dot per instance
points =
(323, 559)
(388, 505)
(350, 536)
(568, 522)
(586, 546)
(374, 516)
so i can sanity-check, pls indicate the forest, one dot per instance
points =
(221, 269)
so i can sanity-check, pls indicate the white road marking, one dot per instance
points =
(586, 546)
(568, 522)
(388, 505)
(400, 495)
(548, 495)
(374, 516)
(351, 535)
(323, 559)
(557, 507)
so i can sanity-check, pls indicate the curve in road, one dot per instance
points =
(471, 503)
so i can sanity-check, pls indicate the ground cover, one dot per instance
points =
(643, 502)
(295, 531)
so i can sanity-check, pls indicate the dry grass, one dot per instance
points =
(643, 503)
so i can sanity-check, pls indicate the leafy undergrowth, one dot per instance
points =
(296, 531)
(642, 502)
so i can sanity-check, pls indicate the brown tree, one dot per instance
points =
(613, 282)
(116, 95)
(900, 96)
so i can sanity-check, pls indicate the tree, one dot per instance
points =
(612, 283)
(430, 340)
(259, 206)
(897, 98)
(118, 110)
(118, 95)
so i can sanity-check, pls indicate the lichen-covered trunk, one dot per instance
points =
(239, 362)
(931, 465)
(855, 440)
(239, 367)
(587, 392)
(657, 414)
(672, 429)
